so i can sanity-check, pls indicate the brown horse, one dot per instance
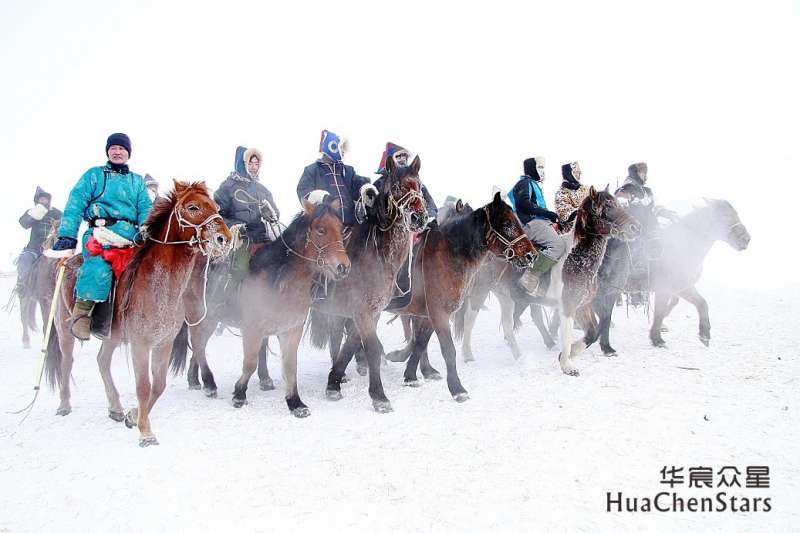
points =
(39, 287)
(183, 228)
(445, 263)
(600, 217)
(377, 249)
(275, 297)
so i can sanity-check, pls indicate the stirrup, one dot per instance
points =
(74, 321)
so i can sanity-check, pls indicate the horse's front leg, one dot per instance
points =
(264, 380)
(441, 325)
(345, 353)
(139, 417)
(366, 325)
(660, 309)
(289, 342)
(588, 324)
(693, 297)
(67, 344)
(537, 314)
(251, 343)
(470, 316)
(604, 307)
(566, 346)
(418, 349)
(507, 321)
(115, 411)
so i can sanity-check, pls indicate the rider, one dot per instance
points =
(247, 205)
(152, 186)
(640, 203)
(39, 219)
(401, 157)
(528, 202)
(330, 174)
(111, 198)
(570, 195)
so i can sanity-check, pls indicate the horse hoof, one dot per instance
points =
(468, 357)
(144, 442)
(130, 418)
(239, 402)
(116, 416)
(461, 397)
(659, 343)
(301, 412)
(266, 384)
(572, 372)
(432, 376)
(344, 379)
(26, 345)
(210, 393)
(361, 370)
(412, 383)
(63, 411)
(705, 340)
(397, 356)
(550, 345)
(610, 353)
(382, 406)
(333, 395)
(194, 386)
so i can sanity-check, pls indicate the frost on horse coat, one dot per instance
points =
(103, 192)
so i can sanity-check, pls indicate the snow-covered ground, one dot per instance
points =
(532, 450)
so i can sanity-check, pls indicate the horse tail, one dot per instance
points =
(180, 349)
(53, 360)
(458, 321)
(320, 326)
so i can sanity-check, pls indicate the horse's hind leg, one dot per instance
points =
(418, 347)
(604, 307)
(588, 323)
(693, 297)
(566, 347)
(365, 326)
(508, 321)
(660, 308)
(193, 374)
(336, 377)
(251, 343)
(200, 336)
(537, 314)
(115, 411)
(24, 316)
(441, 325)
(470, 316)
(264, 380)
(67, 344)
(289, 342)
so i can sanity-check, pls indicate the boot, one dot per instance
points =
(81, 319)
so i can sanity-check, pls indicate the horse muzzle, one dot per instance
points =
(339, 272)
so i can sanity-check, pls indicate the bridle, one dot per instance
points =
(509, 254)
(320, 260)
(400, 208)
(196, 239)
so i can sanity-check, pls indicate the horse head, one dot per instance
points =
(451, 209)
(727, 224)
(188, 215)
(324, 240)
(601, 214)
(505, 236)
(401, 197)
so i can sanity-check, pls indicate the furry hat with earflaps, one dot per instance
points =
(638, 171)
(529, 167)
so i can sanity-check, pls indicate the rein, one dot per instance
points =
(399, 208)
(196, 239)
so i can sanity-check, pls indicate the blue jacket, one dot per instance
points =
(340, 180)
(528, 200)
(104, 193)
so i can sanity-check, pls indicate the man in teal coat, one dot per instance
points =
(110, 196)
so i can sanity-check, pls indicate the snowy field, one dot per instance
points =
(532, 450)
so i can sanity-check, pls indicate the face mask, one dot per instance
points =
(540, 171)
(401, 158)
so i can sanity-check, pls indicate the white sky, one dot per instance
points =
(705, 92)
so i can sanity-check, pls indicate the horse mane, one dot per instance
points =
(156, 223)
(465, 233)
(276, 257)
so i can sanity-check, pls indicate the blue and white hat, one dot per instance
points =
(332, 145)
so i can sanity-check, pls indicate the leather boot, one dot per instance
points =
(81, 319)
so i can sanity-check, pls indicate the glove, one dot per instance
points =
(65, 243)
(267, 211)
(368, 194)
(551, 216)
(37, 212)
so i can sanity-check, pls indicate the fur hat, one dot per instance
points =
(119, 139)
(638, 171)
(250, 152)
(529, 167)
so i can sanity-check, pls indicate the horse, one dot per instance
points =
(445, 263)
(39, 287)
(377, 250)
(275, 296)
(182, 229)
(599, 218)
(674, 274)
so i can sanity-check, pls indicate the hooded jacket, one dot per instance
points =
(569, 196)
(528, 200)
(40, 229)
(240, 198)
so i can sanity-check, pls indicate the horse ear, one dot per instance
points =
(391, 166)
(592, 192)
(607, 188)
(416, 164)
(337, 204)
(308, 207)
(180, 186)
(459, 206)
(497, 200)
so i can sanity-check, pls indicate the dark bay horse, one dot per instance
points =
(445, 263)
(599, 218)
(183, 228)
(673, 275)
(39, 287)
(275, 297)
(377, 249)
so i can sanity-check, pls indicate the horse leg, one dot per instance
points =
(264, 380)
(566, 347)
(659, 312)
(251, 343)
(470, 316)
(158, 368)
(507, 319)
(289, 342)
(193, 374)
(67, 344)
(555, 322)
(352, 344)
(693, 297)
(604, 307)
(24, 316)
(200, 336)
(115, 411)
(537, 314)
(140, 356)
(365, 326)
(588, 323)
(441, 325)
(418, 345)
